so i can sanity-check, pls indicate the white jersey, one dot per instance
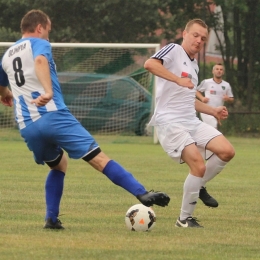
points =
(17, 69)
(175, 103)
(215, 91)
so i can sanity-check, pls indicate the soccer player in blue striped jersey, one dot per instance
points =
(182, 135)
(46, 124)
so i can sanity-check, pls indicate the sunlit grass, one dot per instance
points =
(93, 209)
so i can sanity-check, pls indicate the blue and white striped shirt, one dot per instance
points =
(17, 69)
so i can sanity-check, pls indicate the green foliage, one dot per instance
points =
(91, 21)
(240, 124)
(205, 70)
(7, 35)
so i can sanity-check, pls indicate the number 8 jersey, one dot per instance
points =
(17, 69)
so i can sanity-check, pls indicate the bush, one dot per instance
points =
(241, 124)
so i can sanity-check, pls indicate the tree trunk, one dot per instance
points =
(250, 36)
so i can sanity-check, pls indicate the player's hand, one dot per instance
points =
(225, 98)
(42, 100)
(7, 100)
(221, 113)
(185, 82)
(205, 100)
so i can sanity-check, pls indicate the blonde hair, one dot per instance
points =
(196, 21)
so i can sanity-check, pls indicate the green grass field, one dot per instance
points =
(93, 209)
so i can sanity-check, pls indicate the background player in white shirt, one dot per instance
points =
(45, 122)
(181, 134)
(216, 92)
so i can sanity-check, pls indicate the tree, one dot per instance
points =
(91, 21)
(241, 24)
(241, 30)
(140, 21)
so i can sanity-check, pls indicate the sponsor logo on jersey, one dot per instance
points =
(16, 48)
(186, 75)
(213, 92)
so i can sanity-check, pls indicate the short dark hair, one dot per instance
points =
(196, 21)
(218, 64)
(31, 19)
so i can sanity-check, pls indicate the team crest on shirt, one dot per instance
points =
(223, 87)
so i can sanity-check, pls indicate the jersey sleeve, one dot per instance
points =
(166, 54)
(229, 92)
(41, 47)
(3, 77)
(202, 86)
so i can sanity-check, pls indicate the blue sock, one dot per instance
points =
(119, 176)
(53, 192)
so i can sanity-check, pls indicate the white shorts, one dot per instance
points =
(210, 120)
(175, 137)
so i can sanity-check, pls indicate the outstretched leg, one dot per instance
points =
(119, 176)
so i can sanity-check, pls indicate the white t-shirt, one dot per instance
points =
(215, 91)
(175, 103)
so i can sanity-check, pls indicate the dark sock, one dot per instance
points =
(53, 192)
(119, 176)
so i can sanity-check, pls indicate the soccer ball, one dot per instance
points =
(140, 218)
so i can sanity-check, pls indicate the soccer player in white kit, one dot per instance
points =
(46, 124)
(216, 92)
(181, 134)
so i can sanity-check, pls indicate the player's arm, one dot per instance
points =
(6, 96)
(220, 113)
(155, 67)
(201, 97)
(42, 71)
(228, 99)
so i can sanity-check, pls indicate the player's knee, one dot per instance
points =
(227, 154)
(60, 163)
(92, 154)
(98, 160)
(198, 169)
(201, 168)
(231, 153)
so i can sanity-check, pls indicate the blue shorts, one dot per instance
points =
(55, 131)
